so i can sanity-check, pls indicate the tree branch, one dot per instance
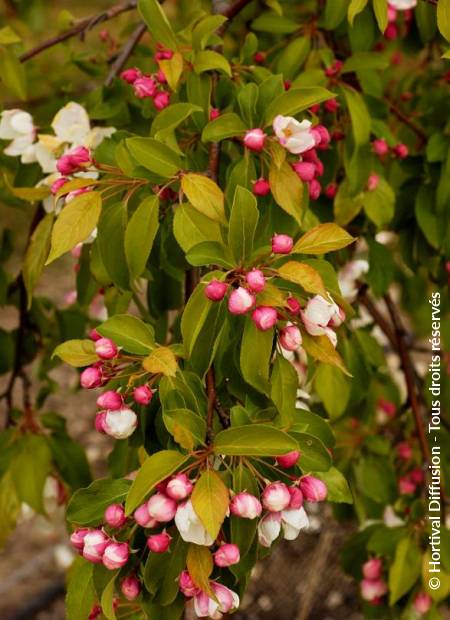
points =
(80, 28)
(406, 120)
(125, 53)
(365, 299)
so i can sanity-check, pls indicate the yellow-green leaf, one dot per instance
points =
(320, 348)
(12, 73)
(200, 565)
(322, 239)
(443, 18)
(75, 223)
(172, 69)
(36, 254)
(209, 60)
(304, 275)
(205, 196)
(356, 6)
(210, 500)
(161, 361)
(77, 352)
(287, 190)
(271, 296)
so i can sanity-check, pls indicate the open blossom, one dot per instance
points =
(190, 527)
(17, 126)
(317, 315)
(402, 5)
(295, 136)
(293, 521)
(225, 600)
(121, 423)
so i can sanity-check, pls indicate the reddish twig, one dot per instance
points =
(80, 28)
(378, 317)
(125, 53)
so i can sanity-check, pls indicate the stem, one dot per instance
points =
(125, 53)
(81, 28)
(404, 118)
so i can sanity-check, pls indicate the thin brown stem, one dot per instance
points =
(404, 118)
(125, 53)
(380, 320)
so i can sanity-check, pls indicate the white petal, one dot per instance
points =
(15, 123)
(71, 124)
(97, 135)
(18, 146)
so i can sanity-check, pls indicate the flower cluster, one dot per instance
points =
(115, 418)
(381, 149)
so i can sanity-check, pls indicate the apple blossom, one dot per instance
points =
(314, 189)
(317, 315)
(254, 139)
(255, 280)
(321, 137)
(120, 423)
(110, 400)
(161, 100)
(422, 603)
(115, 515)
(269, 528)
(106, 349)
(332, 105)
(305, 170)
(131, 75)
(288, 460)
(227, 555)
(142, 517)
(216, 290)
(264, 317)
(190, 527)
(186, 585)
(159, 543)
(372, 589)
(99, 422)
(296, 498)
(373, 568)
(142, 394)
(214, 113)
(295, 136)
(293, 520)
(404, 450)
(161, 507)
(179, 487)
(144, 86)
(401, 151)
(130, 587)
(276, 497)
(380, 147)
(313, 489)
(372, 182)
(261, 187)
(95, 543)
(77, 537)
(116, 555)
(406, 486)
(294, 305)
(240, 301)
(403, 5)
(282, 244)
(91, 377)
(245, 505)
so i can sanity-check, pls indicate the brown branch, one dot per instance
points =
(408, 371)
(80, 28)
(404, 118)
(125, 53)
(365, 299)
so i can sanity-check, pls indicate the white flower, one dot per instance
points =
(269, 528)
(17, 126)
(295, 136)
(190, 527)
(348, 276)
(71, 124)
(293, 521)
(317, 316)
(121, 423)
(402, 5)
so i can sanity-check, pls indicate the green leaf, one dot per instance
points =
(12, 73)
(162, 571)
(379, 203)
(275, 24)
(187, 427)
(333, 388)
(313, 454)
(362, 61)
(404, 570)
(204, 29)
(284, 384)
(77, 352)
(75, 223)
(355, 7)
(87, 506)
(243, 222)
(359, 115)
(380, 8)
(191, 227)
(30, 194)
(335, 11)
(140, 235)
(70, 460)
(293, 56)
(208, 60)
(205, 196)
(155, 156)
(30, 466)
(111, 243)
(322, 239)
(154, 469)
(226, 125)
(346, 207)
(9, 507)
(200, 565)
(172, 69)
(80, 590)
(426, 218)
(255, 354)
(376, 479)
(210, 500)
(287, 190)
(157, 22)
(313, 424)
(254, 440)
(210, 253)
(168, 119)
(36, 255)
(107, 598)
(321, 349)
(443, 18)
(161, 360)
(8, 36)
(296, 100)
(130, 333)
(304, 275)
(338, 489)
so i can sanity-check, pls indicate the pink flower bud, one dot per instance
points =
(245, 505)
(287, 84)
(288, 460)
(144, 87)
(293, 305)
(392, 13)
(91, 378)
(372, 589)
(115, 515)
(110, 400)
(73, 160)
(121, 423)
(401, 151)
(406, 486)
(227, 555)
(56, 185)
(106, 349)
(95, 543)
(311, 156)
(331, 105)
(77, 192)
(391, 32)
(179, 487)
(94, 335)
(143, 518)
(77, 537)
(264, 317)
(159, 543)
(116, 555)
(387, 406)
(95, 612)
(314, 189)
(255, 280)
(296, 498)
(276, 497)
(372, 182)
(131, 75)
(142, 394)
(161, 100)
(305, 170)
(216, 290)
(313, 489)
(334, 69)
(254, 139)
(261, 187)
(240, 301)
(331, 190)
(321, 137)
(130, 587)
(404, 450)
(161, 507)
(422, 603)
(214, 113)
(161, 77)
(227, 599)
(269, 528)
(282, 244)
(380, 147)
(372, 569)
(99, 422)
(259, 57)
(315, 108)
(417, 476)
(186, 585)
